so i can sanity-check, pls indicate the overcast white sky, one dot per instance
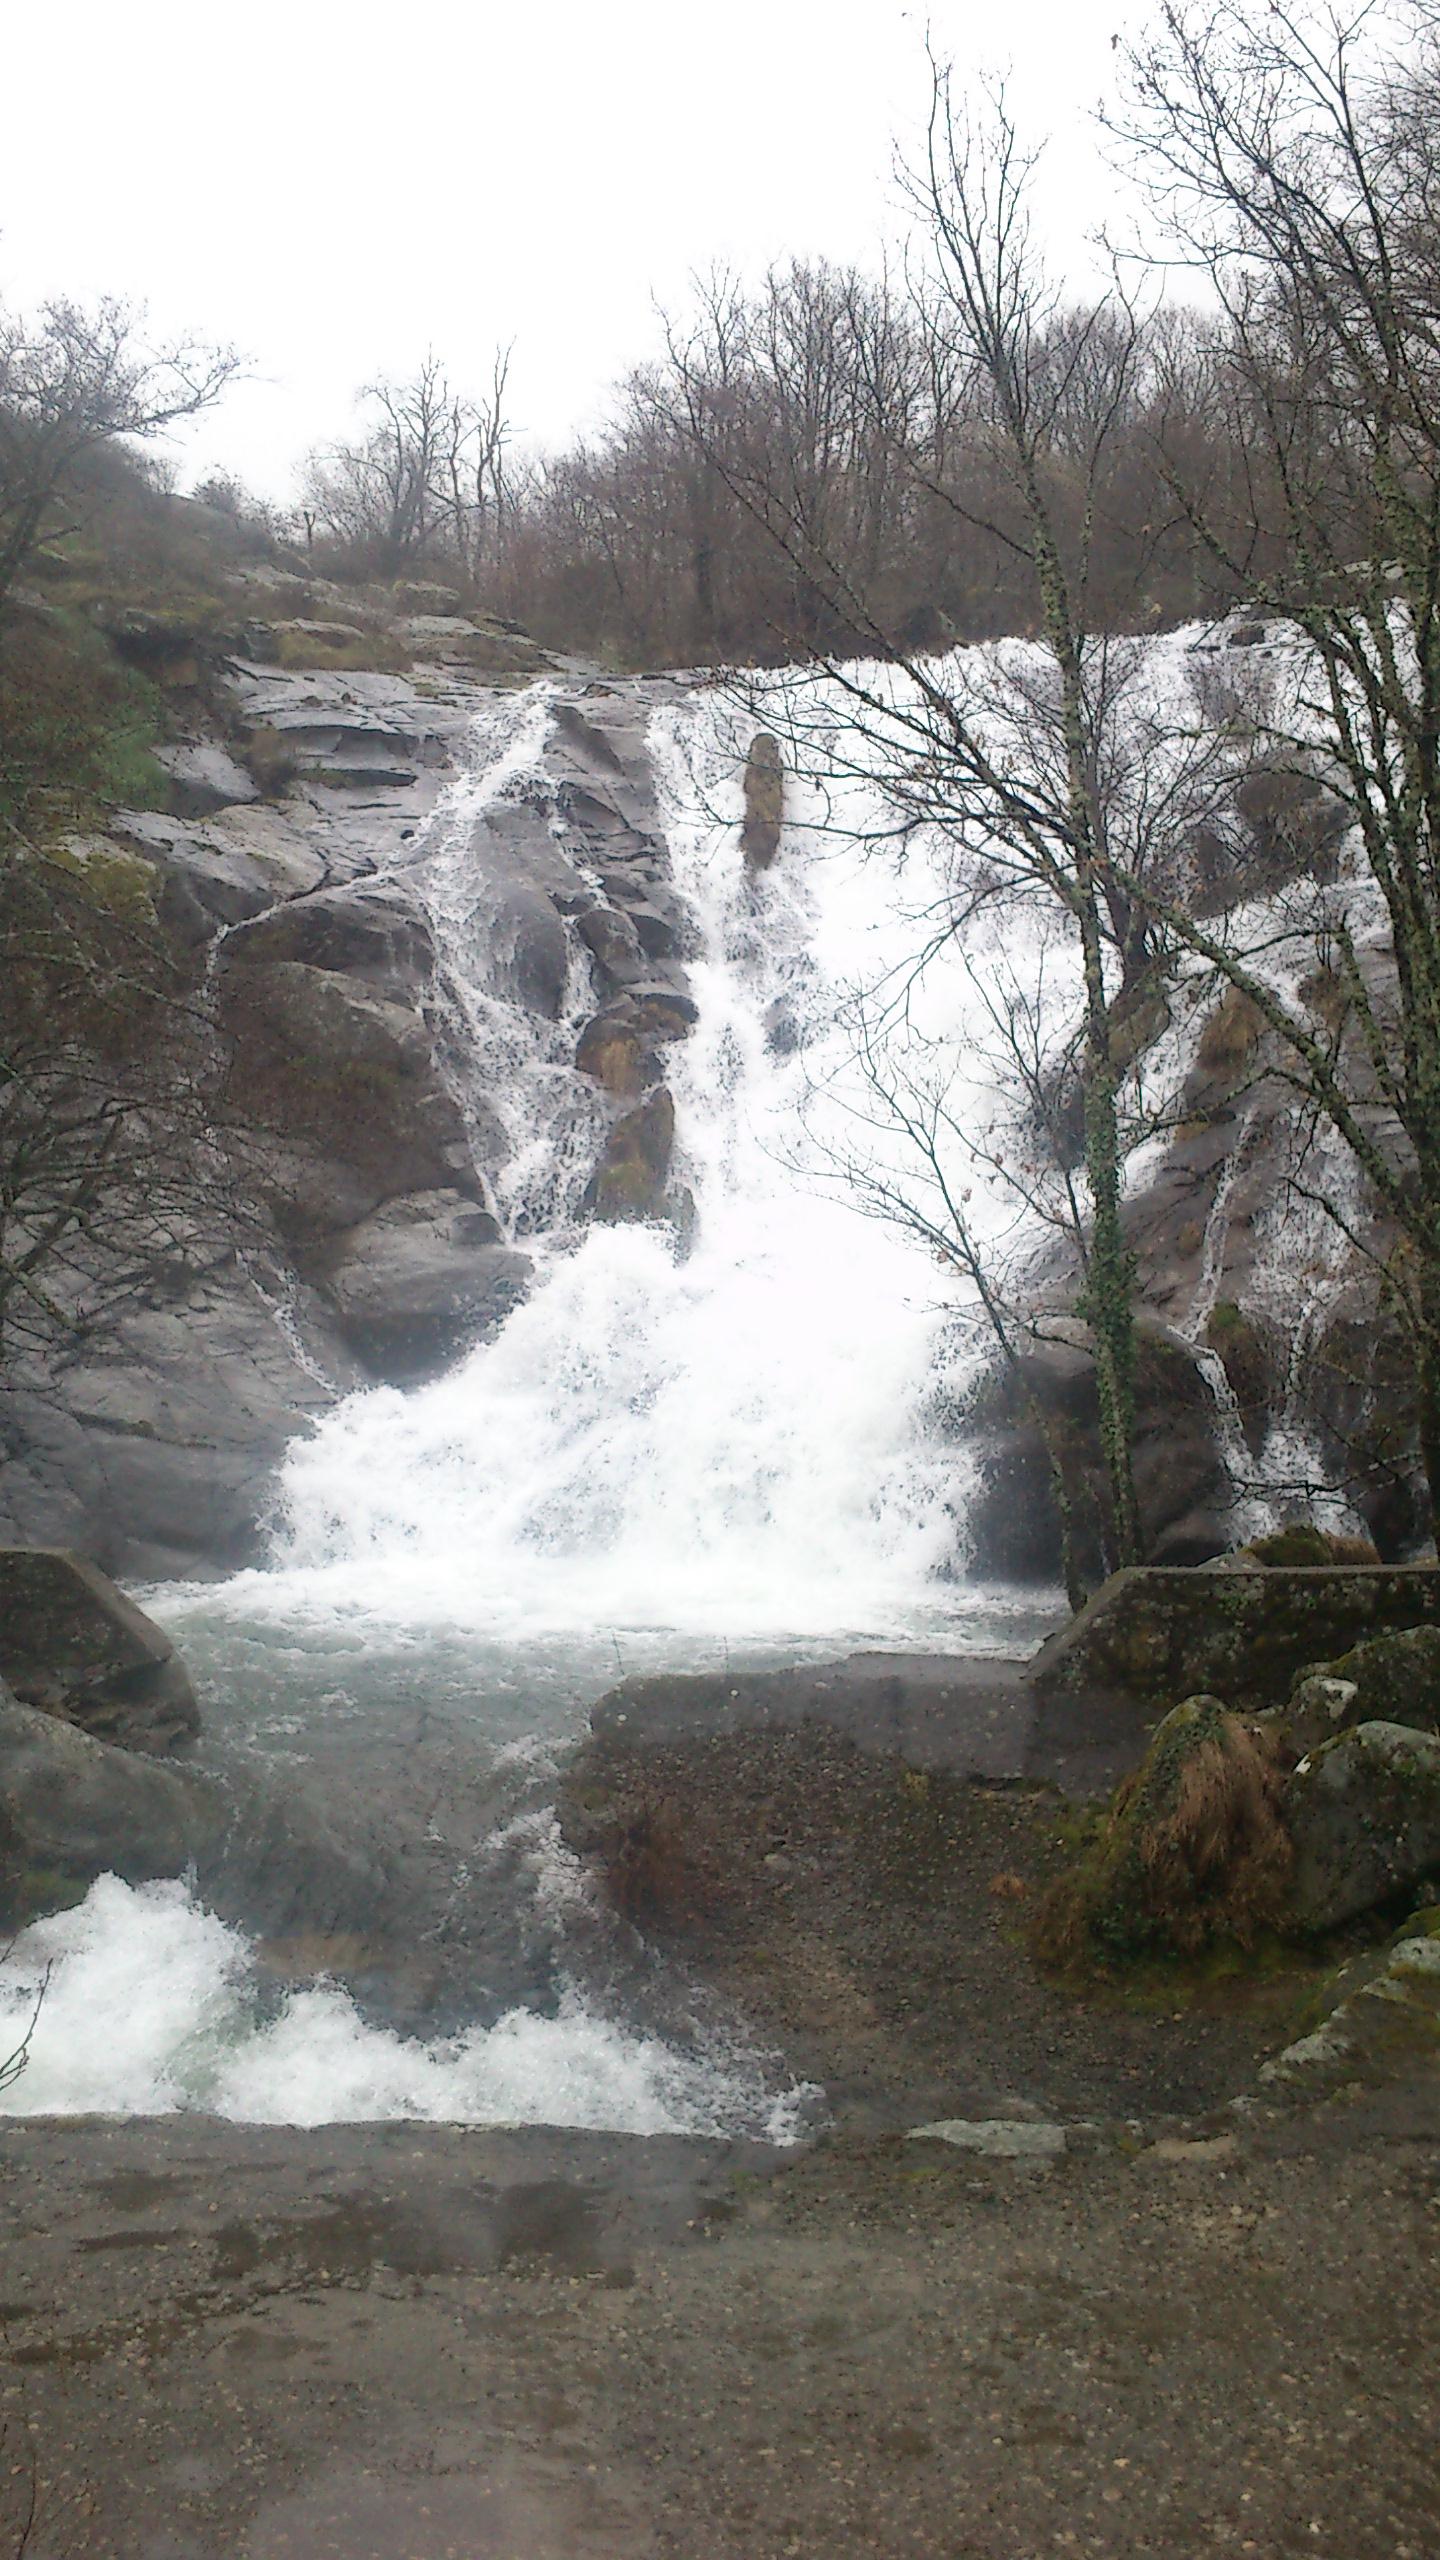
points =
(334, 187)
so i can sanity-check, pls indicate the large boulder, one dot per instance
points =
(1396, 1678)
(74, 1646)
(1364, 1814)
(420, 1281)
(73, 1808)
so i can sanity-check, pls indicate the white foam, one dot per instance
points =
(731, 1441)
(153, 2006)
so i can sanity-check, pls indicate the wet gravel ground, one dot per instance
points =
(394, 2344)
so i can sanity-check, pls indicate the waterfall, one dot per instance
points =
(731, 1435)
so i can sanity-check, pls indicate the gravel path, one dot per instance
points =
(398, 2344)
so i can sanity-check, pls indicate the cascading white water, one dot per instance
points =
(730, 1439)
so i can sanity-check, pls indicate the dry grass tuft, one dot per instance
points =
(1194, 1848)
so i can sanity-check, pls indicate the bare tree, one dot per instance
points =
(1031, 763)
(1294, 157)
(72, 380)
(428, 478)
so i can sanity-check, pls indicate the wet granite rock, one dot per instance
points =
(764, 802)
(74, 1646)
(614, 946)
(614, 1050)
(159, 1460)
(529, 947)
(373, 931)
(420, 1281)
(629, 1183)
(1048, 1399)
(73, 1808)
(342, 1093)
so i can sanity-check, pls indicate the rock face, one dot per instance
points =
(764, 802)
(1048, 1402)
(373, 931)
(74, 1646)
(351, 1235)
(1364, 1814)
(343, 1096)
(159, 1458)
(73, 1808)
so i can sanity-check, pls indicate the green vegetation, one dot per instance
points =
(77, 726)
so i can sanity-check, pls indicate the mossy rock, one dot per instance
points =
(1386, 2029)
(1301, 1543)
(1396, 1678)
(1364, 1814)
(1245, 1355)
(1193, 1851)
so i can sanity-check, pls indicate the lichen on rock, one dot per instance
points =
(1364, 1814)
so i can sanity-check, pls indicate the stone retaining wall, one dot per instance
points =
(1164, 1633)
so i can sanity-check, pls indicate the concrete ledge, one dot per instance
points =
(1163, 1632)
